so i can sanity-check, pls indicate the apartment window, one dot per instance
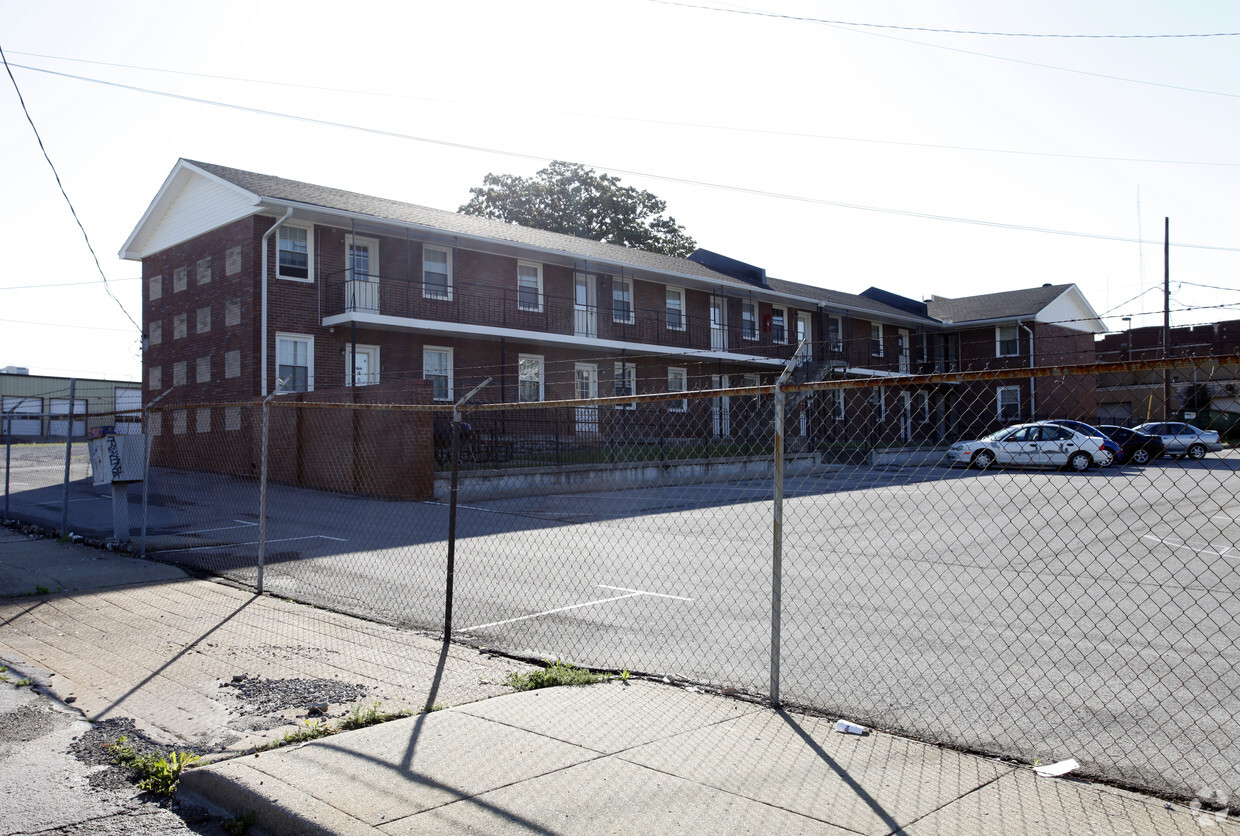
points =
(779, 324)
(202, 421)
(295, 362)
(156, 285)
(179, 421)
(876, 339)
(675, 309)
(1008, 399)
(232, 312)
(924, 403)
(626, 382)
(1007, 341)
(232, 418)
(878, 401)
(180, 279)
(202, 372)
(749, 320)
(437, 368)
(837, 404)
(436, 272)
(678, 381)
(904, 351)
(232, 363)
(155, 423)
(232, 261)
(529, 287)
(156, 377)
(202, 271)
(835, 334)
(180, 324)
(622, 300)
(364, 364)
(155, 332)
(293, 254)
(529, 378)
(178, 373)
(204, 320)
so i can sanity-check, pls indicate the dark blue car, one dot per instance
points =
(1108, 445)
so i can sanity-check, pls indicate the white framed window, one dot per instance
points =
(293, 259)
(232, 363)
(923, 400)
(1007, 400)
(904, 350)
(202, 373)
(626, 383)
(156, 377)
(437, 368)
(837, 404)
(232, 261)
(749, 319)
(878, 400)
(180, 279)
(622, 300)
(876, 339)
(530, 378)
(232, 312)
(155, 331)
(529, 286)
(779, 324)
(295, 362)
(156, 287)
(202, 271)
(678, 381)
(364, 365)
(202, 419)
(436, 272)
(178, 372)
(675, 309)
(204, 320)
(1007, 341)
(835, 334)
(180, 324)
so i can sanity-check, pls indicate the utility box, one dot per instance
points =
(118, 458)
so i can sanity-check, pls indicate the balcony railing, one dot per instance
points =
(471, 304)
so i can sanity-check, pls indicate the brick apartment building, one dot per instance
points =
(251, 278)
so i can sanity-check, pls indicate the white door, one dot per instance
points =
(21, 416)
(58, 427)
(906, 416)
(362, 273)
(585, 307)
(905, 349)
(586, 386)
(721, 416)
(804, 334)
(718, 324)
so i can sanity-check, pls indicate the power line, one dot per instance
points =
(68, 325)
(64, 284)
(802, 19)
(616, 170)
(634, 119)
(1211, 286)
(63, 193)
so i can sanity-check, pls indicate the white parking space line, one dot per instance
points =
(1194, 549)
(546, 612)
(643, 592)
(243, 524)
(255, 543)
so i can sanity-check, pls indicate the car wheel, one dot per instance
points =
(983, 460)
(1197, 451)
(1079, 461)
(1108, 459)
(1140, 456)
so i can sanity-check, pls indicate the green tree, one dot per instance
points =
(572, 199)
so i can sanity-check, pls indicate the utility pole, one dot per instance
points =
(1166, 334)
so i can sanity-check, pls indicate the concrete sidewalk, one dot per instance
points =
(128, 638)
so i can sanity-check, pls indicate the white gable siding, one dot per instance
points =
(191, 208)
(1071, 310)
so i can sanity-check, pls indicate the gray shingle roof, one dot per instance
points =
(265, 185)
(838, 299)
(1011, 303)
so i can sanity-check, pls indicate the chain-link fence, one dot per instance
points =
(923, 557)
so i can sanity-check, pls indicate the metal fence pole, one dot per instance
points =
(777, 526)
(456, 461)
(64, 508)
(146, 468)
(262, 490)
(8, 447)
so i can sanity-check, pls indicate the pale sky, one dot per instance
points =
(827, 153)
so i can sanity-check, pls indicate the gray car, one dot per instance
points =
(1183, 439)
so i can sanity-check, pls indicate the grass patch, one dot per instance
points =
(558, 674)
(158, 773)
(24, 682)
(359, 717)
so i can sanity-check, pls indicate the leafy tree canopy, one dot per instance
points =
(572, 199)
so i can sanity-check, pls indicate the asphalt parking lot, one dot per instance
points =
(1042, 614)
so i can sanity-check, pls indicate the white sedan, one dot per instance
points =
(1031, 445)
(1183, 439)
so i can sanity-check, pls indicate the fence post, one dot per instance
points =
(777, 525)
(64, 508)
(8, 446)
(456, 461)
(146, 467)
(262, 490)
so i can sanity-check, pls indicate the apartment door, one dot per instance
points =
(720, 412)
(718, 324)
(586, 386)
(804, 336)
(361, 273)
(906, 416)
(585, 307)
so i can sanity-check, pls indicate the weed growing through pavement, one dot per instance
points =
(157, 774)
(240, 825)
(24, 682)
(553, 675)
(359, 717)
